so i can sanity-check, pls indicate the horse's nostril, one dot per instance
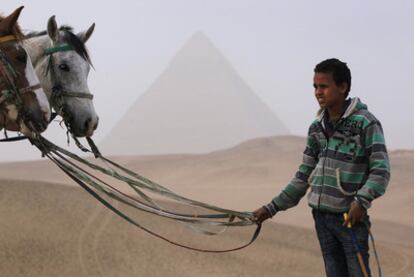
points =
(95, 125)
(86, 125)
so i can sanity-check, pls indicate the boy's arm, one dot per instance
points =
(296, 189)
(379, 165)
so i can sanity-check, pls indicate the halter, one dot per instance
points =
(57, 89)
(58, 92)
(13, 93)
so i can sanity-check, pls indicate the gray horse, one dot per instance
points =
(23, 104)
(62, 64)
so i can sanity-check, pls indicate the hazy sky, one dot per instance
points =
(274, 45)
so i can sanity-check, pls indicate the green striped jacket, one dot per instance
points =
(350, 164)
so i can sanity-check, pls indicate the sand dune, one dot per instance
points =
(49, 229)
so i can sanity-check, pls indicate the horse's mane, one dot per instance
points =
(68, 37)
(16, 31)
(33, 34)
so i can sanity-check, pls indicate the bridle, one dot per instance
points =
(59, 93)
(13, 94)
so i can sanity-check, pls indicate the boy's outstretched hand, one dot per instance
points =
(261, 214)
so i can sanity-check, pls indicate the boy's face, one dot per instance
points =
(327, 92)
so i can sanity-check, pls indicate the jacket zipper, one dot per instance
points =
(325, 155)
(323, 165)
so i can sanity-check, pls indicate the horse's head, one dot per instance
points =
(23, 104)
(63, 66)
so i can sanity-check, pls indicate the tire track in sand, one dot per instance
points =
(93, 230)
(82, 238)
(106, 218)
(406, 257)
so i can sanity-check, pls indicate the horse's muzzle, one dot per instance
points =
(36, 122)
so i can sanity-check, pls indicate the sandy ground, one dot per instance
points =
(48, 229)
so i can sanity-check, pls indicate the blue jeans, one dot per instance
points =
(339, 253)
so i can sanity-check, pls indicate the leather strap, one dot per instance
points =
(7, 38)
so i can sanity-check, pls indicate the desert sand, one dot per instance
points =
(51, 227)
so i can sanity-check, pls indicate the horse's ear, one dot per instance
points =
(52, 29)
(84, 36)
(7, 24)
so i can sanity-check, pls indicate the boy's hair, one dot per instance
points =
(339, 70)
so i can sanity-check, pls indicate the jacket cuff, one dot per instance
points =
(363, 202)
(271, 208)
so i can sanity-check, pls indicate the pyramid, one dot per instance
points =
(198, 104)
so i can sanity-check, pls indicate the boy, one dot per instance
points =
(345, 164)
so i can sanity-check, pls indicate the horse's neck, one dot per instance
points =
(36, 46)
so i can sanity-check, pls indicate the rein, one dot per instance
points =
(69, 163)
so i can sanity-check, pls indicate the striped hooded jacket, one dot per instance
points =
(350, 164)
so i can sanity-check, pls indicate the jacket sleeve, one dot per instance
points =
(297, 187)
(378, 165)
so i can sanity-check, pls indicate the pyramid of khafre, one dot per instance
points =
(198, 104)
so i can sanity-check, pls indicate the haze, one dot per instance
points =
(273, 45)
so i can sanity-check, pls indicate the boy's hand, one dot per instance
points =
(261, 214)
(356, 214)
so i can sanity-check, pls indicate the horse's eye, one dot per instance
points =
(64, 67)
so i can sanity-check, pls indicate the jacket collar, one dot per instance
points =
(349, 111)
